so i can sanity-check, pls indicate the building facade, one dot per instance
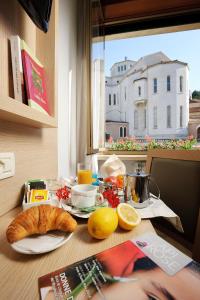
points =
(151, 95)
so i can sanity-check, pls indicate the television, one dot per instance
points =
(38, 11)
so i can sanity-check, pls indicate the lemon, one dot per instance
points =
(102, 222)
(128, 216)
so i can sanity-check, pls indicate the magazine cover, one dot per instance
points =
(147, 268)
(35, 80)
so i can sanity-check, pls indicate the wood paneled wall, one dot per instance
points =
(35, 149)
(35, 157)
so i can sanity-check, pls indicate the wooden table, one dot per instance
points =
(19, 273)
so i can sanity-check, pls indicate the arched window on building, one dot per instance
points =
(155, 118)
(124, 131)
(114, 99)
(124, 67)
(121, 68)
(155, 85)
(181, 84)
(169, 125)
(168, 83)
(145, 118)
(135, 119)
(181, 116)
(110, 102)
(121, 131)
(139, 90)
(118, 68)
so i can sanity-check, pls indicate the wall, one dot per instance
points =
(66, 87)
(35, 149)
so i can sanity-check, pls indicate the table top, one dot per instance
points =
(19, 273)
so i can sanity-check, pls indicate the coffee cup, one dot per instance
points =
(84, 195)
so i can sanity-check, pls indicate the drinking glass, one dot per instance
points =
(84, 173)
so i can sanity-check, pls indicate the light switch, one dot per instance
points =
(7, 165)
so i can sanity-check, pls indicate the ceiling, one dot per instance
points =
(118, 15)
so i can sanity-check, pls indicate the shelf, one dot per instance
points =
(14, 111)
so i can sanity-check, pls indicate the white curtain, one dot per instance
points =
(83, 77)
(67, 62)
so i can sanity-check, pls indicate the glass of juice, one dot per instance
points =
(84, 173)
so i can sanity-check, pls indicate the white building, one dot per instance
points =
(151, 95)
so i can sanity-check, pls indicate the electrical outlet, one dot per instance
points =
(7, 165)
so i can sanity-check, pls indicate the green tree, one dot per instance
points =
(196, 95)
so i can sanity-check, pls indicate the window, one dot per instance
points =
(139, 90)
(121, 131)
(110, 99)
(114, 99)
(160, 82)
(118, 68)
(181, 84)
(121, 68)
(169, 116)
(155, 85)
(155, 118)
(135, 119)
(145, 119)
(168, 83)
(124, 131)
(181, 116)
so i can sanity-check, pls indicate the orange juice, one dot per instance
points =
(84, 176)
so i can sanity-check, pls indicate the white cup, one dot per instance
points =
(84, 195)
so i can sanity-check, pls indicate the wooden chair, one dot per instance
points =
(177, 174)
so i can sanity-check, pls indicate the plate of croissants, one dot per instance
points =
(40, 229)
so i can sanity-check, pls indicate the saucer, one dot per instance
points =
(81, 212)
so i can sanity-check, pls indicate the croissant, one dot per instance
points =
(39, 219)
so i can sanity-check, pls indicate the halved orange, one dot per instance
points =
(128, 216)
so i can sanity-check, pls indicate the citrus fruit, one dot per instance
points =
(102, 222)
(128, 216)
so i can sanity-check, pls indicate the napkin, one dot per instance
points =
(157, 208)
(40, 243)
(113, 166)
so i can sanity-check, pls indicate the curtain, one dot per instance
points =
(83, 78)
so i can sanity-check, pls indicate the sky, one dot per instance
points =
(184, 46)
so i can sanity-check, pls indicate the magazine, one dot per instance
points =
(144, 268)
(35, 80)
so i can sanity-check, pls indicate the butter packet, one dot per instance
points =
(39, 195)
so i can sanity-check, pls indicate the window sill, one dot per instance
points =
(124, 155)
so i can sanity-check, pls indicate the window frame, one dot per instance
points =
(139, 90)
(109, 99)
(168, 83)
(181, 84)
(155, 117)
(169, 117)
(136, 119)
(114, 99)
(161, 25)
(181, 116)
(125, 131)
(155, 85)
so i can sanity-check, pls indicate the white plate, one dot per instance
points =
(37, 244)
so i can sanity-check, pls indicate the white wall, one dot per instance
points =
(66, 85)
